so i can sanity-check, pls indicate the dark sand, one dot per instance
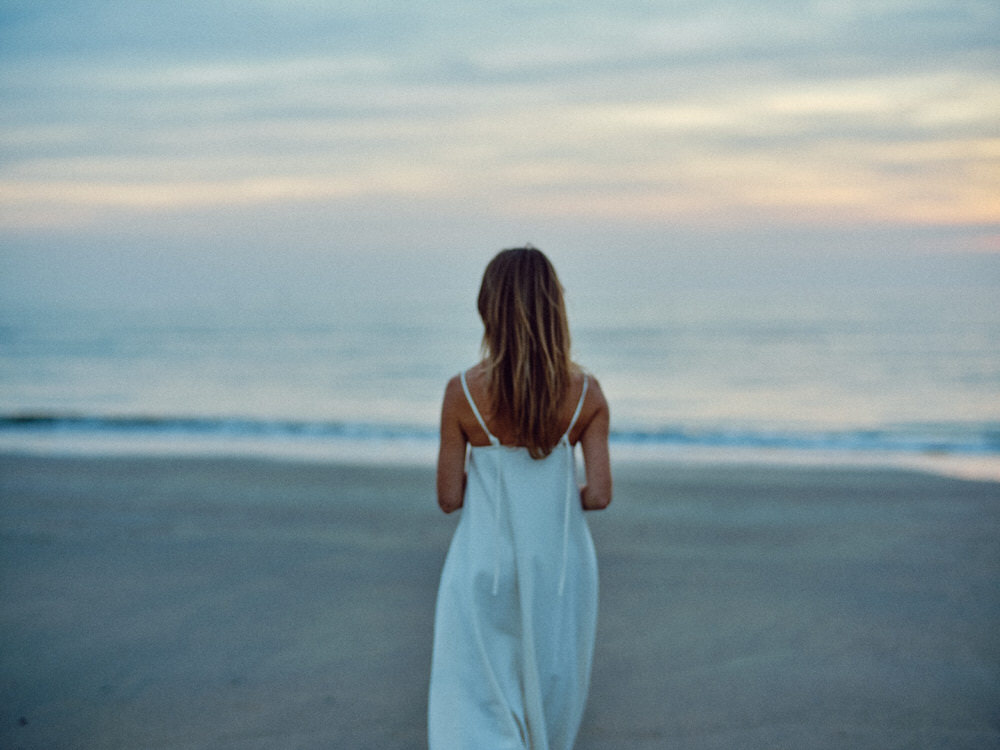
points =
(212, 604)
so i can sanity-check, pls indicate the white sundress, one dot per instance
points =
(516, 610)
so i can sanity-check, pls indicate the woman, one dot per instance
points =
(517, 604)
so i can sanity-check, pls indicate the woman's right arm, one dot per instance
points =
(451, 453)
(596, 493)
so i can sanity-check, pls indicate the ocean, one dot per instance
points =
(864, 373)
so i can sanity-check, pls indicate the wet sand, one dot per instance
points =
(216, 604)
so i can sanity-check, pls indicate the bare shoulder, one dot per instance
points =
(453, 388)
(454, 398)
(595, 394)
(595, 411)
(594, 391)
(595, 401)
(456, 411)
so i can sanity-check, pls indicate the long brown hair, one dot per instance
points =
(526, 345)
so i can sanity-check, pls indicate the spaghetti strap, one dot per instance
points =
(579, 407)
(475, 410)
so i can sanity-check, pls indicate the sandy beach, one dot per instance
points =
(212, 604)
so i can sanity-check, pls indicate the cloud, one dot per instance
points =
(693, 113)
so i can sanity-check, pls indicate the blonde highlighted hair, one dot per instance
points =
(526, 345)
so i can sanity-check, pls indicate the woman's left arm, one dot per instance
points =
(451, 453)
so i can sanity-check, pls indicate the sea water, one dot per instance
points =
(865, 373)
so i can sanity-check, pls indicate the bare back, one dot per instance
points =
(501, 427)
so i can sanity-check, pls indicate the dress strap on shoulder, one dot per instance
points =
(475, 410)
(579, 406)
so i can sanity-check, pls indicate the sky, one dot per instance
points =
(141, 140)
